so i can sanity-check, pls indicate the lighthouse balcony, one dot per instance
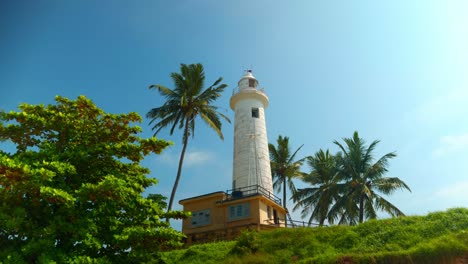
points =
(248, 93)
(248, 191)
(250, 89)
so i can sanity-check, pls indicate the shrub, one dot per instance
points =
(247, 243)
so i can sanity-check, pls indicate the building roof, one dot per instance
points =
(201, 196)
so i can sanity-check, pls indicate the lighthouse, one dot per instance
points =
(250, 204)
(251, 166)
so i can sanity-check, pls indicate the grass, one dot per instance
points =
(439, 237)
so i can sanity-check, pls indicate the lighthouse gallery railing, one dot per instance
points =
(252, 190)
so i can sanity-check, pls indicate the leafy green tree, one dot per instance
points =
(325, 189)
(365, 182)
(183, 105)
(72, 190)
(283, 166)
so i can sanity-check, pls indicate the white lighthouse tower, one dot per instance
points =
(251, 155)
(251, 203)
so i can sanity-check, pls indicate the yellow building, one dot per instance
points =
(223, 215)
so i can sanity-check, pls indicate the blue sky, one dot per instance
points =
(394, 71)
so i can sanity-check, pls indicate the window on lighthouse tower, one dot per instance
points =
(255, 112)
(252, 83)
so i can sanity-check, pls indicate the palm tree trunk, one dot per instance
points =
(361, 208)
(284, 192)
(284, 201)
(179, 169)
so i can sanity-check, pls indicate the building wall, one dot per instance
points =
(251, 219)
(203, 203)
(267, 218)
(222, 226)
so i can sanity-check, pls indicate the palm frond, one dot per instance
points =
(384, 205)
(273, 152)
(163, 90)
(291, 186)
(293, 156)
(369, 209)
(224, 117)
(389, 185)
(179, 118)
(277, 184)
(211, 118)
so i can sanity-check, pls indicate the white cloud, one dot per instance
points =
(455, 192)
(450, 105)
(191, 159)
(168, 157)
(196, 158)
(451, 144)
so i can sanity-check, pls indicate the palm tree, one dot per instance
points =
(183, 105)
(283, 166)
(364, 181)
(325, 188)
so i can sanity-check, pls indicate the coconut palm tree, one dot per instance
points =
(184, 103)
(325, 189)
(365, 182)
(283, 166)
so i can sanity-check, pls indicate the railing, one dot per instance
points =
(291, 223)
(296, 223)
(243, 192)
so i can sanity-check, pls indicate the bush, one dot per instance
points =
(247, 243)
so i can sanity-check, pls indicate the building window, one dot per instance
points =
(269, 212)
(252, 83)
(275, 217)
(239, 211)
(201, 218)
(255, 113)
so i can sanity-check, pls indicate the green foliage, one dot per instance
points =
(72, 191)
(365, 183)
(246, 243)
(347, 240)
(325, 188)
(348, 187)
(284, 167)
(203, 253)
(436, 238)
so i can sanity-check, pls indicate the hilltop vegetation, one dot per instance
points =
(439, 237)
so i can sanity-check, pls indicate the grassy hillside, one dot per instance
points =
(439, 237)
